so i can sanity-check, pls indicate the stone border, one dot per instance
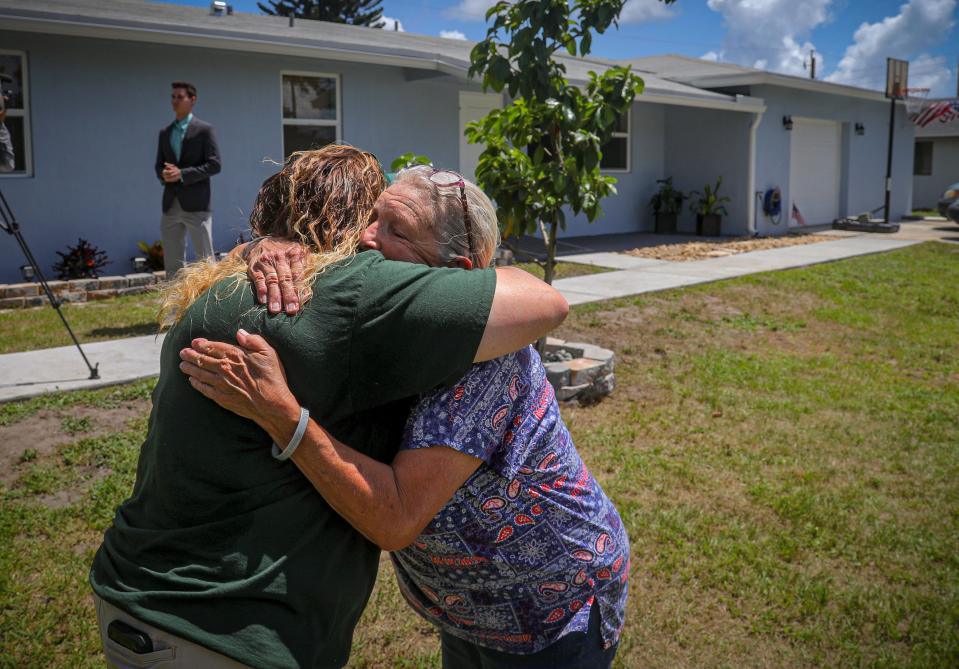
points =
(587, 377)
(19, 295)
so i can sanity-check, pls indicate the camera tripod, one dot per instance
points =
(9, 224)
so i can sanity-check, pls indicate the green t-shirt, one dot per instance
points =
(226, 546)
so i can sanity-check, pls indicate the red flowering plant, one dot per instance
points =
(83, 261)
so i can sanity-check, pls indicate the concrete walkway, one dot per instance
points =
(36, 372)
(643, 275)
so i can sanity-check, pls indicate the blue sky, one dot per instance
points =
(852, 38)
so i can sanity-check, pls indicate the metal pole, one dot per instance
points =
(892, 136)
(9, 223)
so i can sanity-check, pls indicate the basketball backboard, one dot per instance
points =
(897, 78)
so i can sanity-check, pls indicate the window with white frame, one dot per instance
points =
(311, 111)
(616, 150)
(14, 65)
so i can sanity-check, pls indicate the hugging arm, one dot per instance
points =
(523, 308)
(389, 504)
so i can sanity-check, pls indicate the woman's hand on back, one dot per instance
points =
(275, 265)
(248, 380)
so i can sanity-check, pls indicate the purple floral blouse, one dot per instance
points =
(524, 549)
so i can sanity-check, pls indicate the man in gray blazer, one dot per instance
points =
(187, 156)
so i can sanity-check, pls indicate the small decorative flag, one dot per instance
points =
(797, 215)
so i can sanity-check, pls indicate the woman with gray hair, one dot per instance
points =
(499, 534)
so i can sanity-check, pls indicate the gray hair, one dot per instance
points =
(449, 227)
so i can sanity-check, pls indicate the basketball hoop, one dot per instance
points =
(916, 100)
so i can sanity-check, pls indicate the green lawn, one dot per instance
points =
(564, 270)
(40, 327)
(783, 448)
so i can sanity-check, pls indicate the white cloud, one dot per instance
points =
(452, 34)
(637, 11)
(471, 10)
(932, 72)
(769, 34)
(389, 23)
(918, 24)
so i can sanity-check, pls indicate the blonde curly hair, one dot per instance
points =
(322, 199)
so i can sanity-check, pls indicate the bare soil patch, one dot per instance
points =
(685, 251)
(37, 437)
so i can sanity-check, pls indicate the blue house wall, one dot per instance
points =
(627, 211)
(702, 145)
(863, 158)
(97, 105)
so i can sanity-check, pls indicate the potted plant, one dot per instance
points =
(666, 205)
(709, 207)
(154, 255)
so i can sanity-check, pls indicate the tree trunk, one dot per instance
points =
(548, 270)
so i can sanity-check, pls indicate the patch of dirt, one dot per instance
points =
(61, 499)
(37, 437)
(685, 251)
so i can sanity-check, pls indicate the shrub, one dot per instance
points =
(154, 254)
(82, 261)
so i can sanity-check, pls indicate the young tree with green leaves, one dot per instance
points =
(353, 12)
(543, 149)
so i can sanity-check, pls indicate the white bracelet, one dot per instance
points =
(297, 437)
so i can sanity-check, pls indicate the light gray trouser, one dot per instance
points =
(174, 226)
(171, 652)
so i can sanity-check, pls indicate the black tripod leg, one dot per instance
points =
(9, 224)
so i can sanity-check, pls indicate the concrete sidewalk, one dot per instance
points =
(36, 372)
(643, 275)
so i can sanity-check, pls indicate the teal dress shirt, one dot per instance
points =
(177, 133)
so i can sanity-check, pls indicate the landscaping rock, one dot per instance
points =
(57, 286)
(143, 279)
(102, 294)
(77, 285)
(557, 373)
(22, 290)
(11, 302)
(72, 296)
(583, 371)
(586, 377)
(134, 290)
(107, 282)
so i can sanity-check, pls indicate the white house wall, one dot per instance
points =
(96, 107)
(945, 172)
(863, 158)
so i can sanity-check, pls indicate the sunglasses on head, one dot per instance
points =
(444, 178)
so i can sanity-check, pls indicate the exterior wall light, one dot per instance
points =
(27, 272)
(860, 129)
(787, 122)
(139, 265)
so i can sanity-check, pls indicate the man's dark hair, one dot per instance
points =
(187, 86)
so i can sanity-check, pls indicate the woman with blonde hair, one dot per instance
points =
(224, 555)
(499, 534)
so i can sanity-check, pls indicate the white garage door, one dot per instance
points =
(814, 169)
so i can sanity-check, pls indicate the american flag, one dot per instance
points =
(944, 111)
(797, 215)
